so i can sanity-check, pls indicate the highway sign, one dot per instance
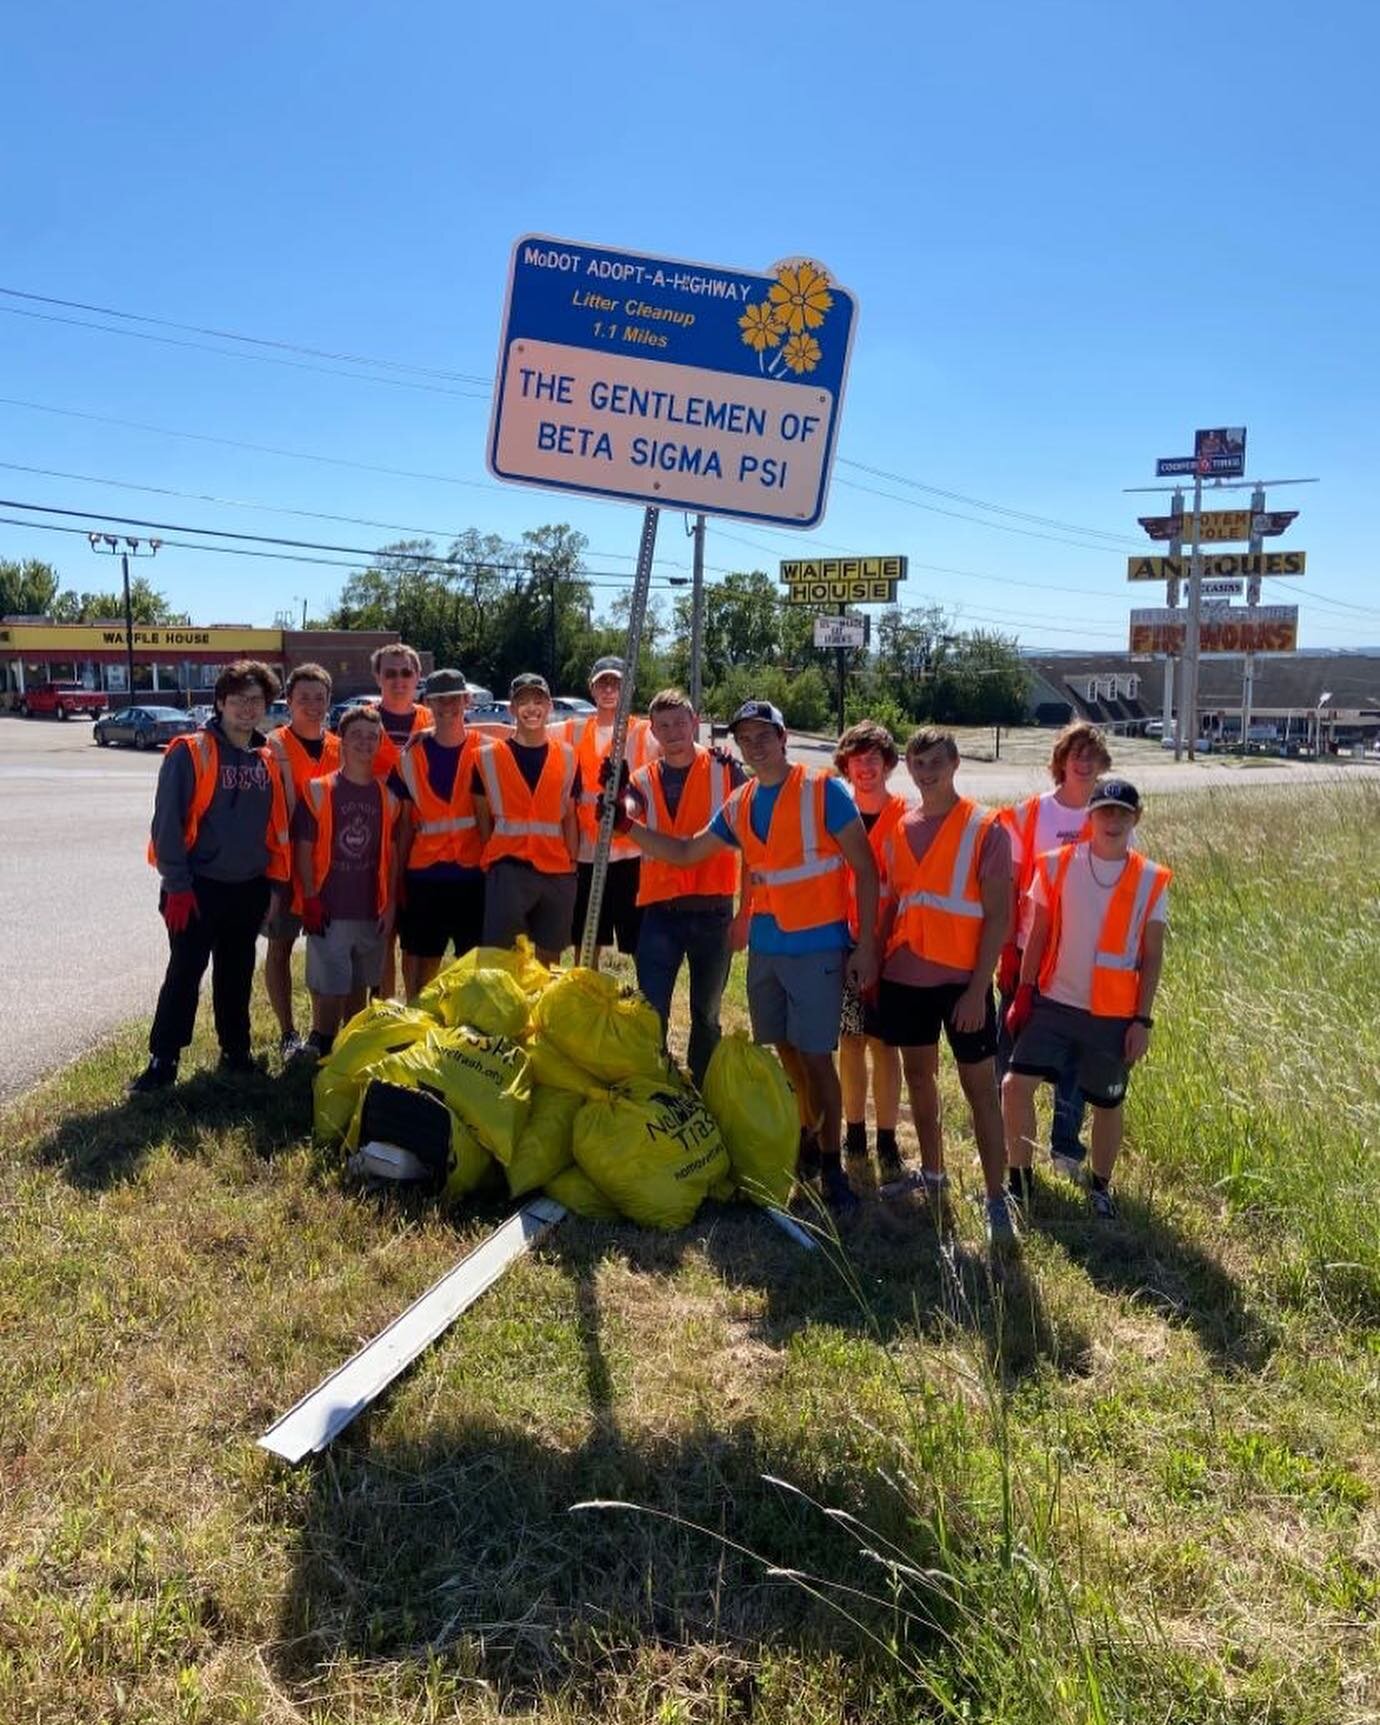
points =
(843, 580)
(1222, 565)
(1224, 629)
(840, 632)
(671, 384)
(1214, 525)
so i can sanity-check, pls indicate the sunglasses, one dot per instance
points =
(398, 671)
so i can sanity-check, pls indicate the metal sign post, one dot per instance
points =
(1189, 702)
(1258, 524)
(697, 620)
(637, 616)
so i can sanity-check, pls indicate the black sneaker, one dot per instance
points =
(157, 1075)
(238, 1064)
(291, 1046)
(889, 1163)
(838, 1194)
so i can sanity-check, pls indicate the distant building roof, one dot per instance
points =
(1284, 682)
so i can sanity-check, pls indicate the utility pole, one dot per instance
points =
(697, 618)
(1188, 703)
(1255, 543)
(1168, 727)
(110, 544)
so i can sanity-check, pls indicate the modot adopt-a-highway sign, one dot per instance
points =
(671, 384)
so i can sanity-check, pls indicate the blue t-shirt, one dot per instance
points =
(765, 934)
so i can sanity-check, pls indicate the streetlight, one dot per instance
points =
(111, 544)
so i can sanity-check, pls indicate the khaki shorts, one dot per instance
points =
(348, 957)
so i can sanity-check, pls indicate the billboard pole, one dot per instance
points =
(843, 673)
(1188, 702)
(1256, 543)
(697, 620)
(1169, 728)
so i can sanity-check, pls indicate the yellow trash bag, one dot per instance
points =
(486, 998)
(483, 1079)
(544, 1146)
(381, 1029)
(581, 1196)
(652, 1146)
(749, 1095)
(415, 1068)
(557, 1071)
(519, 960)
(610, 1031)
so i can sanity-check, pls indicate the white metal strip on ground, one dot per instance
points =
(791, 1228)
(328, 1409)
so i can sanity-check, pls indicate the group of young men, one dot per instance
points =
(872, 922)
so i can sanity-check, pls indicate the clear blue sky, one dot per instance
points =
(1075, 230)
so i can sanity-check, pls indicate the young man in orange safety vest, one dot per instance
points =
(219, 839)
(303, 750)
(946, 907)
(444, 830)
(799, 835)
(346, 865)
(531, 786)
(1039, 824)
(591, 737)
(687, 913)
(1089, 974)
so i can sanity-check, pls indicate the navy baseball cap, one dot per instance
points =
(758, 710)
(1115, 794)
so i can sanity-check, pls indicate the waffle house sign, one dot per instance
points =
(843, 580)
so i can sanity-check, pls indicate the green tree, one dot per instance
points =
(27, 589)
(147, 605)
(979, 679)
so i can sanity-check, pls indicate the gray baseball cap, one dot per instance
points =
(609, 666)
(446, 682)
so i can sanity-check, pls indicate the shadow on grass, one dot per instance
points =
(464, 1548)
(1142, 1255)
(103, 1147)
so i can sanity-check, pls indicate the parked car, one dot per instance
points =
(570, 706)
(144, 727)
(489, 718)
(201, 715)
(62, 699)
(276, 715)
(341, 707)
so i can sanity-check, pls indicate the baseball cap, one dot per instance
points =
(446, 682)
(1115, 793)
(528, 680)
(609, 666)
(758, 710)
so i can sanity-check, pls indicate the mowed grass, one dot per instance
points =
(1134, 1479)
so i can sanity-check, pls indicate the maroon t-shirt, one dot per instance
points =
(350, 890)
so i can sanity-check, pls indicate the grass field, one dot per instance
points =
(1135, 1480)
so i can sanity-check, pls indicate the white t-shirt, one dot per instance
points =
(1085, 905)
(1055, 825)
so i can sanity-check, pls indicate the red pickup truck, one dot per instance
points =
(64, 699)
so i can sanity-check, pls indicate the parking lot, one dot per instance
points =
(84, 949)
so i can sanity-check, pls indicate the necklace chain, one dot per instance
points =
(1104, 884)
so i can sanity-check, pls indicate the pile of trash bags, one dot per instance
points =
(555, 1081)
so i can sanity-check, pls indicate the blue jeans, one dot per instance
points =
(1065, 1132)
(700, 938)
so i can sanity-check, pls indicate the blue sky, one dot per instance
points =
(1075, 231)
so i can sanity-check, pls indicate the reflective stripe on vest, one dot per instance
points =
(583, 737)
(888, 819)
(1115, 991)
(389, 753)
(205, 754)
(942, 920)
(706, 789)
(431, 828)
(776, 885)
(321, 801)
(297, 767)
(516, 830)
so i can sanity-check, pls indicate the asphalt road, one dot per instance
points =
(81, 944)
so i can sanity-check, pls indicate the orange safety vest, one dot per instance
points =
(205, 771)
(389, 754)
(939, 911)
(708, 786)
(882, 829)
(321, 802)
(444, 830)
(296, 766)
(527, 824)
(583, 736)
(1121, 940)
(799, 874)
(1022, 822)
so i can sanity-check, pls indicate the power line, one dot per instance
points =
(997, 508)
(997, 526)
(251, 340)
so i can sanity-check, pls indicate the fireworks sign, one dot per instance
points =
(671, 384)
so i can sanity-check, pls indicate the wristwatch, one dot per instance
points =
(1142, 1018)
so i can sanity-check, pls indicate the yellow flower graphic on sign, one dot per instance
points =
(802, 353)
(801, 296)
(761, 326)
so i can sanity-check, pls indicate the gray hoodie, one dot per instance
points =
(231, 838)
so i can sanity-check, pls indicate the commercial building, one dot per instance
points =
(176, 665)
(1334, 692)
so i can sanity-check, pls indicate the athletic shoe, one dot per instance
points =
(838, 1194)
(1071, 1167)
(290, 1046)
(855, 1148)
(1102, 1204)
(157, 1075)
(1003, 1227)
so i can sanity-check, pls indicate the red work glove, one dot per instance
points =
(1009, 969)
(1020, 1009)
(178, 910)
(314, 918)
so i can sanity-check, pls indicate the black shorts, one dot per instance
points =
(912, 1017)
(1058, 1038)
(619, 912)
(441, 912)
